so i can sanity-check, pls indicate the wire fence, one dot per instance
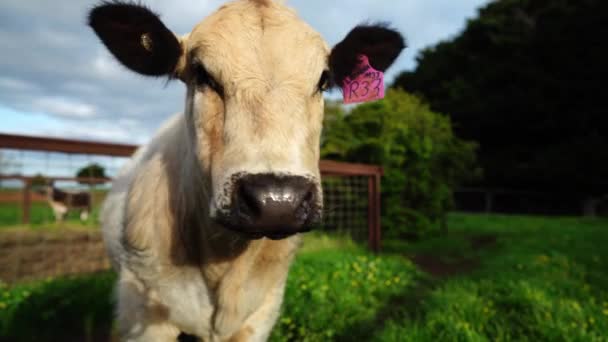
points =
(346, 200)
(351, 191)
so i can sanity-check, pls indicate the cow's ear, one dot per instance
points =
(136, 37)
(379, 43)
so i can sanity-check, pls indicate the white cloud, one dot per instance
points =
(104, 66)
(75, 86)
(16, 84)
(52, 63)
(68, 108)
(57, 38)
(101, 131)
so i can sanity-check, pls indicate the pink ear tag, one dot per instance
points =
(365, 84)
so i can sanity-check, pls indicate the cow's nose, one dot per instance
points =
(274, 206)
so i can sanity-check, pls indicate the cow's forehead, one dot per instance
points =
(245, 36)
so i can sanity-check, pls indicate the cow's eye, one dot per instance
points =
(204, 79)
(325, 81)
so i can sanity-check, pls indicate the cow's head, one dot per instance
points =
(255, 75)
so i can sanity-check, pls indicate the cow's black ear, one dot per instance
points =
(379, 43)
(136, 37)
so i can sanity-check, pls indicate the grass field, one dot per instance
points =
(40, 212)
(512, 279)
(41, 215)
(493, 278)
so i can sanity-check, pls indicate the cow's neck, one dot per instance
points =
(222, 254)
(227, 257)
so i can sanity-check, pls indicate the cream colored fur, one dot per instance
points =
(179, 272)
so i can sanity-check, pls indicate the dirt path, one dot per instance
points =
(434, 265)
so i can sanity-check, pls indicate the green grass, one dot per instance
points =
(543, 280)
(65, 309)
(535, 279)
(334, 286)
(41, 216)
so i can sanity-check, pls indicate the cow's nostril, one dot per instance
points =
(304, 209)
(273, 204)
(308, 198)
(248, 201)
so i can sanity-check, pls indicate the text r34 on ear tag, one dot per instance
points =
(365, 83)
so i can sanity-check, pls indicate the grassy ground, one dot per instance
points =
(493, 278)
(508, 279)
(41, 216)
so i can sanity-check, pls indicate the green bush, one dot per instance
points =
(422, 159)
(64, 309)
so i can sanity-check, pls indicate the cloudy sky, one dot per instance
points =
(57, 79)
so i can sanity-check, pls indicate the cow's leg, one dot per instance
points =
(59, 211)
(84, 215)
(141, 316)
(258, 326)
(63, 213)
(57, 214)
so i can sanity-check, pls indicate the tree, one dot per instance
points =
(91, 171)
(526, 80)
(423, 161)
(39, 181)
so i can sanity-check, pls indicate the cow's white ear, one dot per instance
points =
(137, 38)
(379, 43)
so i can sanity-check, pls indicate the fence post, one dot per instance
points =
(371, 201)
(377, 205)
(373, 212)
(489, 202)
(27, 200)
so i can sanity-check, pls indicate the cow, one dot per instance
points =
(63, 202)
(204, 221)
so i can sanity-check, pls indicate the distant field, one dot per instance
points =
(40, 215)
(40, 212)
(493, 278)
